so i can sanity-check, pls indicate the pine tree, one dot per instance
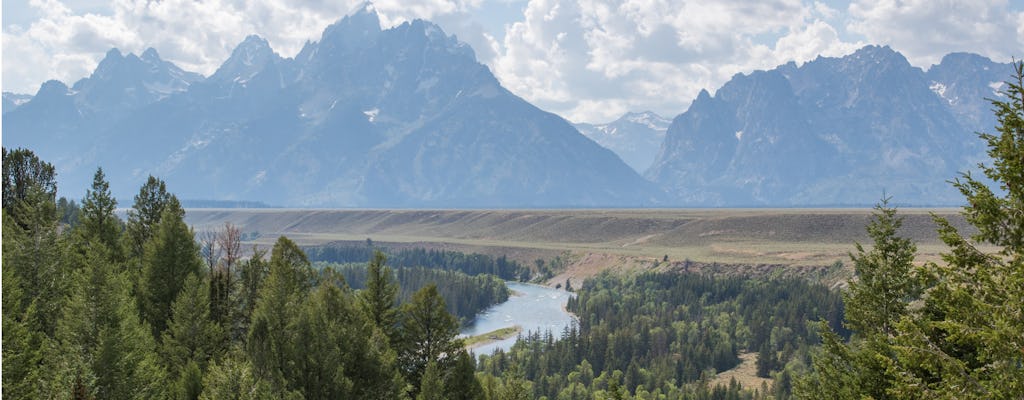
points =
(269, 340)
(98, 219)
(379, 298)
(110, 351)
(461, 383)
(191, 336)
(170, 256)
(431, 385)
(27, 180)
(428, 334)
(144, 215)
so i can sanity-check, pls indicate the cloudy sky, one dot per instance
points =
(588, 60)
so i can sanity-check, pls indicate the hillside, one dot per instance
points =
(801, 237)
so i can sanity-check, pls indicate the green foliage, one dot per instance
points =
(27, 182)
(170, 256)
(884, 286)
(191, 338)
(431, 385)
(280, 295)
(427, 334)
(461, 382)
(250, 279)
(108, 348)
(665, 331)
(144, 215)
(379, 298)
(75, 319)
(465, 295)
(470, 264)
(98, 220)
(232, 378)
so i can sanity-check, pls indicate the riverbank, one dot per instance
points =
(496, 335)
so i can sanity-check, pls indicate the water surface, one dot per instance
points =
(535, 308)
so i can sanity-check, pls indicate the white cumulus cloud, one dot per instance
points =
(926, 30)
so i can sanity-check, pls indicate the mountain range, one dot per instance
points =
(407, 117)
(365, 117)
(833, 131)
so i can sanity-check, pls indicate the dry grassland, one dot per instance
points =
(759, 240)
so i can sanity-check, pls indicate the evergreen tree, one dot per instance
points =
(144, 215)
(110, 351)
(232, 378)
(884, 286)
(170, 256)
(281, 294)
(428, 334)
(431, 385)
(27, 180)
(98, 219)
(250, 278)
(379, 298)
(191, 338)
(461, 383)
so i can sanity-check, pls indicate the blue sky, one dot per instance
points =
(588, 60)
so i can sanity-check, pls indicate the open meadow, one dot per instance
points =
(592, 240)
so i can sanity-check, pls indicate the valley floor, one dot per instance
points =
(758, 241)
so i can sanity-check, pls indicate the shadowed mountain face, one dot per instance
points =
(835, 131)
(404, 117)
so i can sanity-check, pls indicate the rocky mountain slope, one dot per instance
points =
(834, 131)
(403, 117)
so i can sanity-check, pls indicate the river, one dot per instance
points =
(532, 307)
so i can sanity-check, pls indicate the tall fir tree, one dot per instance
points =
(428, 334)
(170, 256)
(379, 299)
(144, 215)
(269, 341)
(98, 219)
(191, 336)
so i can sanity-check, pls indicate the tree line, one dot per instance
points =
(470, 264)
(465, 295)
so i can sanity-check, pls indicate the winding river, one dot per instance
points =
(532, 307)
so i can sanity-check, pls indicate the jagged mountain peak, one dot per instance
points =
(250, 57)
(151, 55)
(52, 88)
(358, 28)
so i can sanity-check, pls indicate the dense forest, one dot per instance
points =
(470, 264)
(653, 333)
(100, 308)
(95, 307)
(465, 295)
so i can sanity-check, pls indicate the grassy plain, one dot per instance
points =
(756, 240)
